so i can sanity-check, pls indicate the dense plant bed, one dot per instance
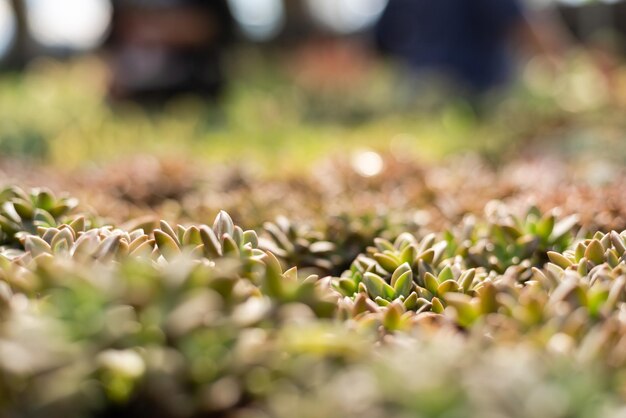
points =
(507, 311)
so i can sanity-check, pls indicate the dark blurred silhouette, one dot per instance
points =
(20, 52)
(601, 28)
(596, 22)
(298, 23)
(468, 42)
(162, 48)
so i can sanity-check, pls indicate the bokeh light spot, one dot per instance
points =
(74, 24)
(259, 20)
(346, 16)
(367, 163)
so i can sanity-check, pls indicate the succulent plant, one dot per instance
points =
(129, 310)
(501, 312)
(410, 271)
(22, 212)
(506, 240)
(190, 320)
(299, 245)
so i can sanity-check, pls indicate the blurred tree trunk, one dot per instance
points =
(299, 25)
(620, 22)
(588, 20)
(21, 48)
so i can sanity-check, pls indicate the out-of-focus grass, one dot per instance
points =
(58, 113)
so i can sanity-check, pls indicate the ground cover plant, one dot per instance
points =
(200, 266)
(434, 290)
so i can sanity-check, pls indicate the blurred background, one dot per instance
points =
(289, 81)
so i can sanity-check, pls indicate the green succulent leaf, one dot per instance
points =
(387, 262)
(559, 259)
(166, 244)
(377, 287)
(595, 252)
(437, 306)
(431, 283)
(212, 245)
(404, 284)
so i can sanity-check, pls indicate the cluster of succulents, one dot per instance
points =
(22, 212)
(151, 318)
(341, 291)
(101, 321)
(331, 248)
(400, 294)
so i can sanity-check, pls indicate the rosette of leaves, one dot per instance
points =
(352, 234)
(580, 290)
(568, 302)
(166, 244)
(594, 270)
(411, 272)
(80, 243)
(393, 317)
(290, 287)
(608, 250)
(298, 245)
(330, 249)
(223, 239)
(505, 240)
(23, 212)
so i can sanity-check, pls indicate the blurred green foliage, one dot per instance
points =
(58, 112)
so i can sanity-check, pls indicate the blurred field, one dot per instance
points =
(280, 117)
